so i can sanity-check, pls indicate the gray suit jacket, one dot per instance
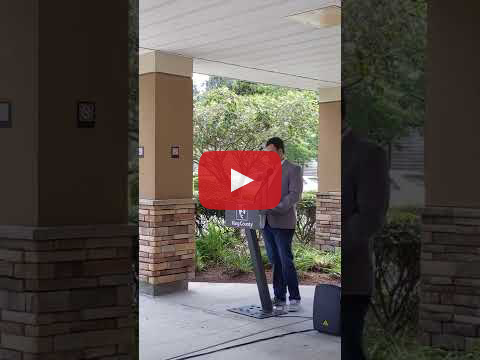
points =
(284, 215)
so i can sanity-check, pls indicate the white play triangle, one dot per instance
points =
(238, 180)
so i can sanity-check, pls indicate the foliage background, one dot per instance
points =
(133, 145)
(383, 66)
(225, 249)
(133, 120)
(239, 115)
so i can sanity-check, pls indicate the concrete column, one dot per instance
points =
(450, 266)
(65, 246)
(328, 227)
(167, 211)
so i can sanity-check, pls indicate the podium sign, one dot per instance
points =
(245, 219)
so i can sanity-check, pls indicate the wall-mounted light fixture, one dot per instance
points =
(86, 114)
(141, 152)
(319, 18)
(5, 114)
(175, 152)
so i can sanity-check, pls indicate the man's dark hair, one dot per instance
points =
(277, 142)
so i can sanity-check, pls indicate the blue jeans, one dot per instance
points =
(278, 243)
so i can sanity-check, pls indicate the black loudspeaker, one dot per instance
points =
(326, 309)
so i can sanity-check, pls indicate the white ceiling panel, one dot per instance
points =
(246, 39)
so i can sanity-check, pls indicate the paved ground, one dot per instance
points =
(178, 324)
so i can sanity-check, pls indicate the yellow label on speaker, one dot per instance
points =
(325, 323)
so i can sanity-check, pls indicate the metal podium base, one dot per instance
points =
(257, 312)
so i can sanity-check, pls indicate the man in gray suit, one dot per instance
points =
(280, 228)
(365, 198)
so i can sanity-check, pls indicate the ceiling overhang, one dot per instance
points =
(288, 43)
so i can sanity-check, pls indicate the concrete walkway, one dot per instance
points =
(177, 324)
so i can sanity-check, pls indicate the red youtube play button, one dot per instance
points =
(239, 180)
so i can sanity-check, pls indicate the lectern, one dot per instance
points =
(250, 221)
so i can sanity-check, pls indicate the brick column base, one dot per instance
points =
(66, 292)
(328, 230)
(450, 278)
(167, 247)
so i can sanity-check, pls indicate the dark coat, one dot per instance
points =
(365, 198)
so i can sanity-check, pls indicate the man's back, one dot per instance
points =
(365, 196)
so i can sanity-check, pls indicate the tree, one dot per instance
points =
(383, 66)
(133, 72)
(241, 87)
(217, 81)
(244, 116)
(133, 109)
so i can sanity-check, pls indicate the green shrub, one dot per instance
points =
(203, 215)
(199, 263)
(266, 262)
(305, 229)
(306, 258)
(397, 258)
(133, 214)
(212, 244)
(404, 346)
(331, 262)
(237, 260)
(310, 197)
(219, 246)
(306, 217)
(195, 183)
(309, 258)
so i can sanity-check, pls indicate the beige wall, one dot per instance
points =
(18, 63)
(146, 109)
(166, 115)
(452, 151)
(329, 146)
(54, 173)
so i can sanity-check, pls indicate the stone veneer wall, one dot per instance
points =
(167, 248)
(66, 292)
(328, 230)
(450, 278)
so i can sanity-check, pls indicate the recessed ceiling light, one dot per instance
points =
(320, 18)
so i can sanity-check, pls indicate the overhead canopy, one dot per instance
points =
(294, 43)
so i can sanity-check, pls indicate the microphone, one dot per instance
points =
(264, 181)
(268, 174)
